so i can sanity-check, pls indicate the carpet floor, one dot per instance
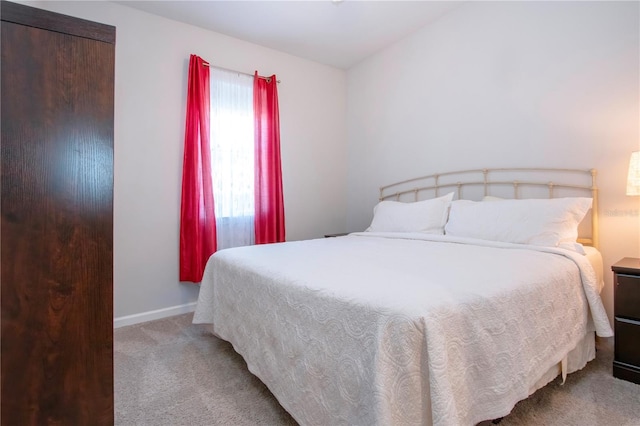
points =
(170, 372)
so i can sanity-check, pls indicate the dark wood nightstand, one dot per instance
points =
(339, 234)
(626, 288)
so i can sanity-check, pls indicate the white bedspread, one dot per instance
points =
(374, 329)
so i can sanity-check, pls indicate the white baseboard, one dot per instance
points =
(154, 315)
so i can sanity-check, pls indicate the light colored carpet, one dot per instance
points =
(170, 372)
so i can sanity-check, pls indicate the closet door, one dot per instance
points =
(57, 227)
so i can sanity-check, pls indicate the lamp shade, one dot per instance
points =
(633, 181)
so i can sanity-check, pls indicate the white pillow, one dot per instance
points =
(427, 216)
(541, 222)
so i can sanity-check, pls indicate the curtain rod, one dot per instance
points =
(206, 64)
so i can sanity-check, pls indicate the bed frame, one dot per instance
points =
(225, 289)
(507, 183)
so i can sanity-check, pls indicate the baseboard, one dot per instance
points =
(154, 315)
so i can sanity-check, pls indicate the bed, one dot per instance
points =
(448, 320)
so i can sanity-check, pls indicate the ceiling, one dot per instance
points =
(337, 34)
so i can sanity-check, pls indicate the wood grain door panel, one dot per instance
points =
(56, 228)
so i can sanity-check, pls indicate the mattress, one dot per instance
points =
(377, 328)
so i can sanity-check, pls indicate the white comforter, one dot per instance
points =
(377, 329)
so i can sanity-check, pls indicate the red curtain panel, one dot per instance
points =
(269, 203)
(197, 217)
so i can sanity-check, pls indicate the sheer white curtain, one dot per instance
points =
(232, 157)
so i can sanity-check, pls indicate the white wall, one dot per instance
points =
(152, 56)
(551, 84)
(491, 84)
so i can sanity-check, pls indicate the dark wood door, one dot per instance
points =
(57, 227)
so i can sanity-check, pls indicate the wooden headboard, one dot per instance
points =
(505, 183)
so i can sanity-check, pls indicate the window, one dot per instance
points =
(220, 165)
(232, 157)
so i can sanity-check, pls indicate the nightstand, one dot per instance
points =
(626, 288)
(339, 234)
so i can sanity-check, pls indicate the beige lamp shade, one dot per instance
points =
(633, 181)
